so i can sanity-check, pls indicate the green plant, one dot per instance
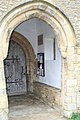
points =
(75, 116)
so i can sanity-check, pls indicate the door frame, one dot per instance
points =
(30, 56)
(25, 67)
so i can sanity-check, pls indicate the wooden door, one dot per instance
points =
(15, 70)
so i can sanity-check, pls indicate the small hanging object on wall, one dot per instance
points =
(40, 58)
(40, 40)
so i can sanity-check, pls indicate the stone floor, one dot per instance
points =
(28, 107)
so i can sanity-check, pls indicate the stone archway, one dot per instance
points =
(66, 42)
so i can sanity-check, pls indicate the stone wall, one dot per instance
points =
(48, 94)
(70, 8)
(12, 13)
(77, 74)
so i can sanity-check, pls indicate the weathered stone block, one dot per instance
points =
(67, 99)
(3, 115)
(71, 82)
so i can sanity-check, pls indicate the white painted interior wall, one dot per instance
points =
(28, 30)
(31, 29)
(52, 67)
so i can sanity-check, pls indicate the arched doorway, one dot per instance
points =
(30, 62)
(64, 32)
(15, 70)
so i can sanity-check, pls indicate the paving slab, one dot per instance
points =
(29, 107)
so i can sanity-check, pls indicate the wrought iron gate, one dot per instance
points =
(15, 70)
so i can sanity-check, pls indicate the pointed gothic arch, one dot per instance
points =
(51, 15)
(60, 25)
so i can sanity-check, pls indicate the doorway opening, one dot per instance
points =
(22, 62)
(66, 40)
(15, 70)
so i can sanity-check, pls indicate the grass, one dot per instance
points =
(75, 116)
